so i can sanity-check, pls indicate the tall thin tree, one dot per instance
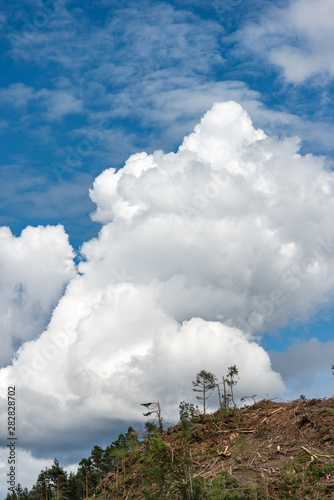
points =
(204, 384)
(230, 380)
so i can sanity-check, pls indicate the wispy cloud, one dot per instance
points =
(59, 103)
(17, 95)
(298, 38)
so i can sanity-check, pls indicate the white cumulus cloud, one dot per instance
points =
(200, 252)
(34, 268)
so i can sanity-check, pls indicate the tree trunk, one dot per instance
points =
(219, 396)
(225, 396)
(204, 398)
(160, 419)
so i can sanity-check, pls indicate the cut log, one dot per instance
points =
(224, 454)
(309, 452)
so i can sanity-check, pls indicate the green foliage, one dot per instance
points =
(198, 436)
(225, 481)
(97, 460)
(243, 446)
(154, 410)
(151, 429)
(187, 412)
(132, 439)
(195, 491)
(304, 459)
(291, 482)
(18, 494)
(204, 384)
(160, 470)
(315, 471)
(227, 487)
(171, 470)
(230, 380)
(52, 483)
(262, 432)
(55, 483)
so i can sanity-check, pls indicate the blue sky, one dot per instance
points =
(144, 68)
(85, 85)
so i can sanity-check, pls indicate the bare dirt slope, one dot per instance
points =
(267, 450)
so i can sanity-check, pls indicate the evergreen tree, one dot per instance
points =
(108, 459)
(43, 487)
(132, 440)
(154, 410)
(231, 382)
(58, 480)
(204, 384)
(160, 472)
(74, 486)
(85, 469)
(121, 442)
(18, 494)
(151, 430)
(97, 459)
(187, 412)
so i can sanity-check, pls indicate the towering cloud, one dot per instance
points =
(235, 225)
(200, 251)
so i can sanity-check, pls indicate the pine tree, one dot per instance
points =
(58, 479)
(231, 382)
(97, 459)
(132, 440)
(154, 410)
(204, 384)
(85, 468)
(43, 487)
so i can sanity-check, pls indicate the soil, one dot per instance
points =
(271, 450)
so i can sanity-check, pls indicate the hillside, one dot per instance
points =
(266, 450)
